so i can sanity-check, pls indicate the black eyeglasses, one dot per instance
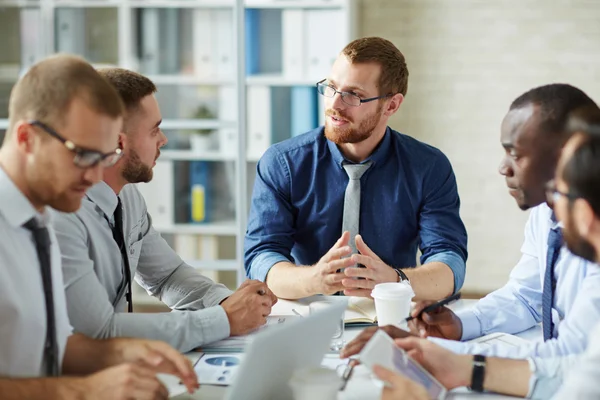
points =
(351, 99)
(84, 158)
(553, 194)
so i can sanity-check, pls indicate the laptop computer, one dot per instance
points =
(273, 356)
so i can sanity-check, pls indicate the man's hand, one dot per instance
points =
(325, 278)
(247, 308)
(442, 323)
(375, 271)
(156, 355)
(356, 345)
(398, 386)
(122, 382)
(452, 370)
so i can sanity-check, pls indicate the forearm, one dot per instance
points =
(290, 281)
(41, 388)
(431, 281)
(502, 375)
(506, 376)
(187, 289)
(85, 356)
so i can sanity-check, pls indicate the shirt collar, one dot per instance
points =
(104, 197)
(554, 223)
(16, 208)
(380, 153)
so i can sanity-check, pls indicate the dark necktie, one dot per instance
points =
(555, 240)
(42, 245)
(117, 232)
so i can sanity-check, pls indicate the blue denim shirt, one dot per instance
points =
(409, 199)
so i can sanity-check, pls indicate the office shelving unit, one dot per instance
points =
(230, 75)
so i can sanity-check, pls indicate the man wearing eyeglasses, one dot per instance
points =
(549, 284)
(111, 241)
(575, 198)
(40, 356)
(356, 193)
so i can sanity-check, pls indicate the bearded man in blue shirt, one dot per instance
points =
(355, 193)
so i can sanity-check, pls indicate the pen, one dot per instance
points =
(436, 305)
(296, 312)
(347, 373)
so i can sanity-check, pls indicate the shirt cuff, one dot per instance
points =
(456, 264)
(471, 327)
(213, 324)
(262, 264)
(545, 378)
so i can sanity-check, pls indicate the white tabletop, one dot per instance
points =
(360, 386)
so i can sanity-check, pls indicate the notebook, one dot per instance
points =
(360, 311)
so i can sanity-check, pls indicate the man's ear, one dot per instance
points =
(122, 141)
(25, 136)
(393, 104)
(583, 217)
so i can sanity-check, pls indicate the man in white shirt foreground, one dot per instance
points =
(64, 121)
(97, 274)
(575, 195)
(533, 133)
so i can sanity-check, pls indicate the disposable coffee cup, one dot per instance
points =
(392, 303)
(315, 383)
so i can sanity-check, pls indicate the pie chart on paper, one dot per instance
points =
(223, 361)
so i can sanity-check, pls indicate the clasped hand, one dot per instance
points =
(353, 281)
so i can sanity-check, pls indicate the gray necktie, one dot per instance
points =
(352, 200)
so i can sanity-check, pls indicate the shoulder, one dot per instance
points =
(540, 217)
(299, 146)
(63, 222)
(416, 150)
(132, 199)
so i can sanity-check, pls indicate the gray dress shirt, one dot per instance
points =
(95, 286)
(22, 303)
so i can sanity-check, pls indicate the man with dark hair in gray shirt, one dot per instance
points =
(110, 241)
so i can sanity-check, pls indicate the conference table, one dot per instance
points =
(361, 385)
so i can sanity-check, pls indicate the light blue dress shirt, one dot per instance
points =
(518, 305)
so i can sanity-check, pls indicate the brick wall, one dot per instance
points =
(468, 60)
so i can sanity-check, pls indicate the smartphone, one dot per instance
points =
(381, 350)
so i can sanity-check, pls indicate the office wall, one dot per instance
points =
(468, 60)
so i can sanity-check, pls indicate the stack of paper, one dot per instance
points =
(236, 344)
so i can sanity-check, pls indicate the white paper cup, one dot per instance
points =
(392, 303)
(315, 383)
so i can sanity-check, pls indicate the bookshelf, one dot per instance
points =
(233, 77)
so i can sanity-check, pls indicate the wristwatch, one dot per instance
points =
(401, 275)
(478, 373)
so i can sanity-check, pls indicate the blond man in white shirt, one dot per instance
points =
(64, 121)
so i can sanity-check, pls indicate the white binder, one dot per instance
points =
(259, 121)
(323, 43)
(32, 45)
(293, 48)
(223, 21)
(70, 31)
(150, 41)
(159, 194)
(204, 43)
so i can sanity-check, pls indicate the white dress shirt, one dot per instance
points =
(580, 381)
(518, 305)
(22, 302)
(95, 287)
